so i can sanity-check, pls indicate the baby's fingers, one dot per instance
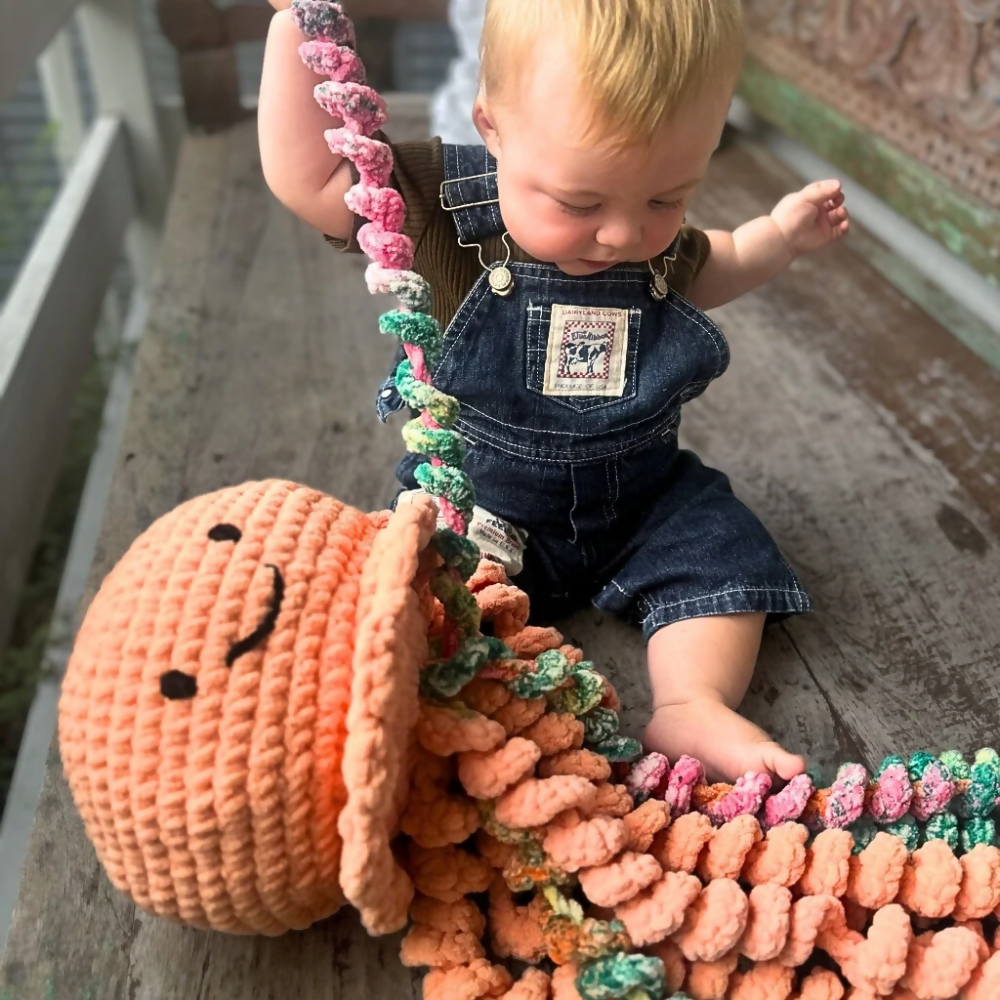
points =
(835, 202)
(822, 191)
(839, 221)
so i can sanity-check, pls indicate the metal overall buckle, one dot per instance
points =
(500, 277)
(658, 287)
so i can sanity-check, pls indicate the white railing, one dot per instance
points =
(112, 199)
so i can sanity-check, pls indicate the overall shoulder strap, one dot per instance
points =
(469, 192)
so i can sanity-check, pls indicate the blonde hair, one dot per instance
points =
(640, 60)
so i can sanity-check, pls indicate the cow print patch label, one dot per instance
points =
(586, 353)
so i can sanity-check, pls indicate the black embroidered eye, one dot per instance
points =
(225, 533)
(176, 686)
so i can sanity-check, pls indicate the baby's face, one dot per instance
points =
(583, 204)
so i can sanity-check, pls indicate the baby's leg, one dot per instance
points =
(699, 670)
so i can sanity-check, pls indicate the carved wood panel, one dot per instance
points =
(924, 74)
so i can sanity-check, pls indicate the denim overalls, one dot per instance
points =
(571, 391)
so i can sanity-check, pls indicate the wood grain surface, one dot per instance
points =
(863, 434)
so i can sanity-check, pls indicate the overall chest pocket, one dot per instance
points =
(582, 357)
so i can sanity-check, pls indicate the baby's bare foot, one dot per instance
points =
(726, 743)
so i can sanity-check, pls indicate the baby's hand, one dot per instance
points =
(280, 4)
(813, 217)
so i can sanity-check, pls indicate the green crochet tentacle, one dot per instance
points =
(452, 484)
(551, 670)
(445, 680)
(976, 831)
(907, 830)
(459, 603)
(586, 693)
(618, 749)
(457, 552)
(942, 826)
(600, 725)
(414, 328)
(421, 396)
(445, 445)
(618, 975)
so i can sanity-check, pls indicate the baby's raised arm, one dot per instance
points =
(298, 165)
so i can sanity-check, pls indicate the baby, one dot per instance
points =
(573, 296)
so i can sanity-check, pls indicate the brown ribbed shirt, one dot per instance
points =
(451, 269)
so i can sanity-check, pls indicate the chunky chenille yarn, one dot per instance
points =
(237, 714)
(261, 699)
(639, 879)
(329, 51)
(277, 704)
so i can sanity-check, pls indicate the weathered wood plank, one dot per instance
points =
(46, 327)
(849, 421)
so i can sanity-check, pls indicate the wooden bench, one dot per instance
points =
(863, 433)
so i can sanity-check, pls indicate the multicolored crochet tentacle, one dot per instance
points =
(330, 53)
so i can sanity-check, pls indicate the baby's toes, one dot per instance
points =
(777, 760)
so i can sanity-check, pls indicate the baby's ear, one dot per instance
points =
(483, 119)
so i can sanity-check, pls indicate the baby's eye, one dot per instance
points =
(577, 210)
(667, 204)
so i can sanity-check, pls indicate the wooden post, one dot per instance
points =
(205, 38)
(206, 61)
(118, 70)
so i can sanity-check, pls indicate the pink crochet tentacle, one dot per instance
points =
(372, 158)
(415, 354)
(891, 795)
(388, 249)
(933, 792)
(745, 799)
(846, 801)
(338, 62)
(383, 206)
(357, 105)
(452, 518)
(687, 773)
(789, 804)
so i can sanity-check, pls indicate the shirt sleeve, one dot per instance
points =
(693, 252)
(418, 168)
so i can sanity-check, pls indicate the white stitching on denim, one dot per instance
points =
(724, 593)
(471, 304)
(696, 316)
(468, 308)
(604, 506)
(494, 209)
(655, 612)
(576, 533)
(548, 455)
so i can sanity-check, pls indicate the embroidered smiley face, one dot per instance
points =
(206, 705)
(175, 685)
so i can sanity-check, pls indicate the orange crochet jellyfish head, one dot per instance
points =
(237, 715)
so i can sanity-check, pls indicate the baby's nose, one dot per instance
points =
(620, 234)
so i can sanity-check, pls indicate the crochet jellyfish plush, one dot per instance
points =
(238, 714)
(278, 704)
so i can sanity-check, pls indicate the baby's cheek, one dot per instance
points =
(547, 239)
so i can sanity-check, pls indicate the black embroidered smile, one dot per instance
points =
(178, 686)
